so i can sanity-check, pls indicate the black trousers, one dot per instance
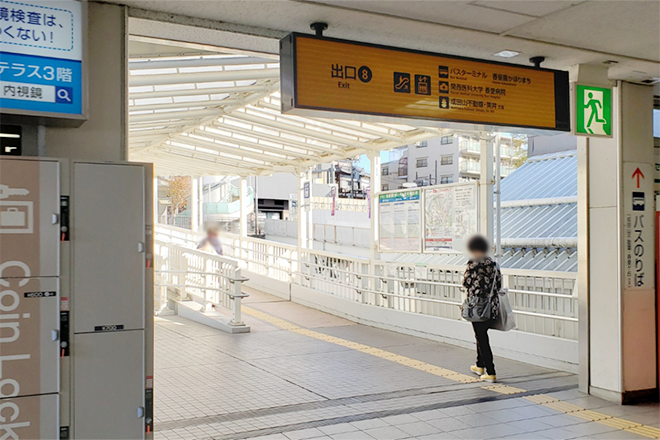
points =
(484, 353)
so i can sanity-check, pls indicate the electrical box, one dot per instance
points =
(76, 296)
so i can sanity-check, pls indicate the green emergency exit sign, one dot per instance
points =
(593, 111)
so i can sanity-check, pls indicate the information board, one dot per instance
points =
(321, 74)
(450, 215)
(400, 221)
(41, 51)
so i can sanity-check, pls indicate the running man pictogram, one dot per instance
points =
(596, 107)
(593, 111)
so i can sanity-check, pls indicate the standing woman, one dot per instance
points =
(483, 279)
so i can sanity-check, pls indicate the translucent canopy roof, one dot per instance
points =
(219, 114)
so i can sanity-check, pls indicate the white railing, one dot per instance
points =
(263, 257)
(208, 279)
(544, 302)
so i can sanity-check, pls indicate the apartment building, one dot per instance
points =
(445, 159)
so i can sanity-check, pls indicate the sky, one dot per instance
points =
(365, 163)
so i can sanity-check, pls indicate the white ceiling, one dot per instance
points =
(184, 116)
(567, 32)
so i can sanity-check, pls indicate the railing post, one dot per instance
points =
(292, 271)
(237, 319)
(271, 260)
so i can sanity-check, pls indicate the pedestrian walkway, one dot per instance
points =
(304, 374)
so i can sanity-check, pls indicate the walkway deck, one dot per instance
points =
(304, 374)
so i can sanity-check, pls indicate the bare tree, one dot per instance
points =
(178, 191)
(519, 150)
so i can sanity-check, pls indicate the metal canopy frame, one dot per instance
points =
(220, 114)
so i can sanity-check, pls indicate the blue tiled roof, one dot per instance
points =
(543, 221)
(550, 177)
(542, 177)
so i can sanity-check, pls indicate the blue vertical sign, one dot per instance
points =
(41, 58)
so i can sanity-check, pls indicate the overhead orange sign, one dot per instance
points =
(337, 76)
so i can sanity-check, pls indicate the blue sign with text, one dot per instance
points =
(41, 57)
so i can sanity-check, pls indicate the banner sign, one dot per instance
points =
(399, 221)
(333, 192)
(369, 201)
(41, 58)
(328, 77)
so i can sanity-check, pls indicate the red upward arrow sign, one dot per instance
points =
(638, 174)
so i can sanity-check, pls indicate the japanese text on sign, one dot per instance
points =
(40, 57)
(389, 82)
(37, 26)
(450, 215)
(400, 221)
(639, 245)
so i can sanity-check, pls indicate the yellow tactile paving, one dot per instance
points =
(594, 416)
(540, 399)
(563, 407)
(504, 389)
(646, 431)
(616, 422)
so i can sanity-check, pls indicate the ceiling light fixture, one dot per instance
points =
(507, 54)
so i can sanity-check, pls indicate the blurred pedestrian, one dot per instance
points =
(212, 241)
(483, 282)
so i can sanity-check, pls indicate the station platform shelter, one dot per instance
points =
(155, 338)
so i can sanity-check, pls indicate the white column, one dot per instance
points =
(498, 201)
(302, 211)
(156, 208)
(617, 328)
(201, 203)
(486, 188)
(244, 207)
(375, 187)
(194, 204)
(310, 212)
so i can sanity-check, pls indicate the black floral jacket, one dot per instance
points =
(479, 277)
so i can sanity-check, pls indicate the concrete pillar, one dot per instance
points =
(194, 204)
(486, 188)
(244, 208)
(616, 248)
(104, 136)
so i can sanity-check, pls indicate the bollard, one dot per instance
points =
(237, 296)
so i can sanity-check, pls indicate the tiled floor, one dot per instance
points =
(279, 384)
